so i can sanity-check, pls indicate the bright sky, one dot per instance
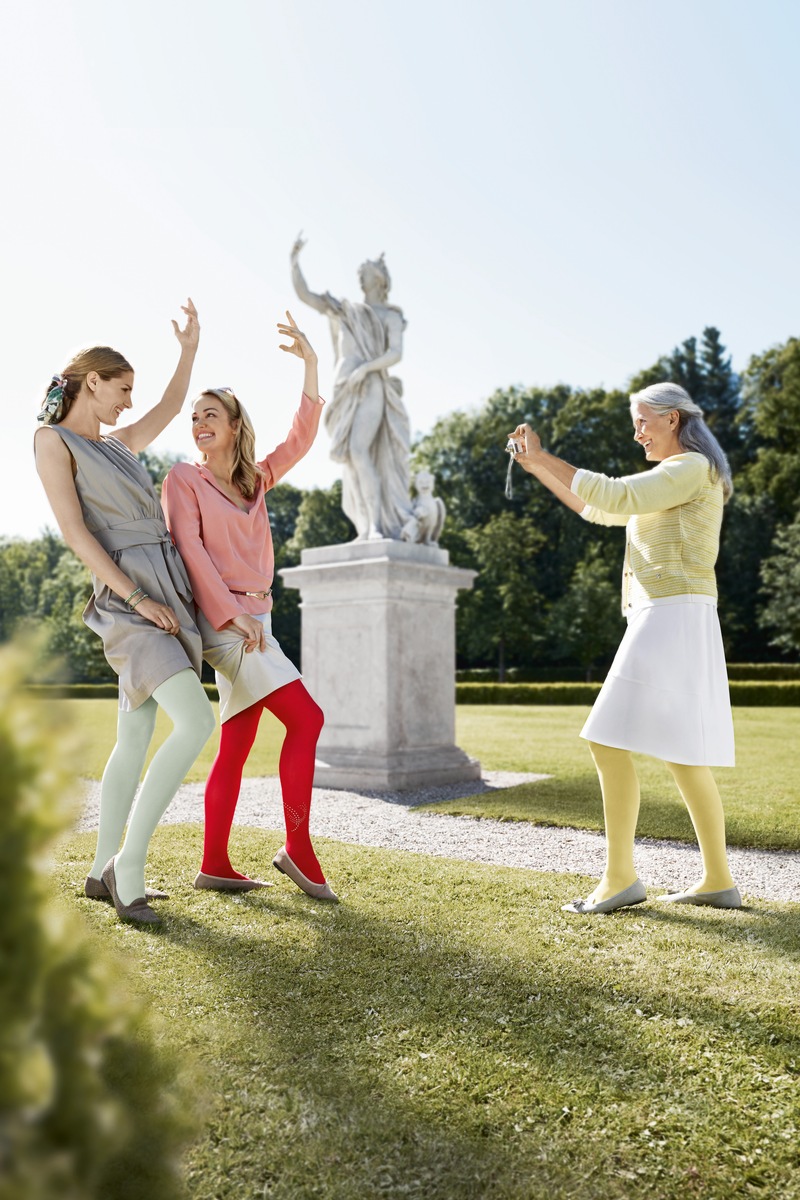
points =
(564, 189)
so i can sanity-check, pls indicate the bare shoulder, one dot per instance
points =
(49, 447)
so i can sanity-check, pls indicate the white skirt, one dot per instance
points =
(242, 679)
(667, 691)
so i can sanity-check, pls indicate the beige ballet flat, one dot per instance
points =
(319, 891)
(221, 883)
(95, 889)
(138, 911)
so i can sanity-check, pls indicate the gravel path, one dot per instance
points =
(388, 819)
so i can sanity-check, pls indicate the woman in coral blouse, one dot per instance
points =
(216, 512)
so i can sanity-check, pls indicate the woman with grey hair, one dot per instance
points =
(666, 693)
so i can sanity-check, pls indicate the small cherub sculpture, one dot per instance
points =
(427, 513)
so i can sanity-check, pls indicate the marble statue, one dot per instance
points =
(427, 513)
(366, 419)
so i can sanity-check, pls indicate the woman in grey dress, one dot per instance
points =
(142, 608)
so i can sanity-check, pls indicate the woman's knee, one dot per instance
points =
(607, 755)
(309, 712)
(185, 702)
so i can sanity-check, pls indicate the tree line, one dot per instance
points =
(547, 592)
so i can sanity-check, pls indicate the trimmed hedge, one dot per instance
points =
(749, 695)
(779, 694)
(766, 672)
(526, 693)
(90, 691)
(752, 672)
(529, 675)
(745, 693)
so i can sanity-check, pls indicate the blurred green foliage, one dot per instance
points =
(90, 1105)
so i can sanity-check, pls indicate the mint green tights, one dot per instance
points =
(186, 704)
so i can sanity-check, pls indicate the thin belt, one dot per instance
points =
(258, 595)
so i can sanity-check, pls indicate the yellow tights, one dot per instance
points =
(619, 784)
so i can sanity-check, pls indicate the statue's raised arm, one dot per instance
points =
(327, 304)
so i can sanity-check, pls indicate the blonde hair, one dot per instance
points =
(693, 433)
(105, 362)
(245, 473)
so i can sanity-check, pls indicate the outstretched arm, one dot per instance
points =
(552, 472)
(144, 431)
(306, 420)
(324, 304)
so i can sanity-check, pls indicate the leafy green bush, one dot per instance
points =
(89, 1106)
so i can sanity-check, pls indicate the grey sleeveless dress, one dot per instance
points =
(122, 511)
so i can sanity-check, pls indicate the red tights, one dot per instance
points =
(303, 718)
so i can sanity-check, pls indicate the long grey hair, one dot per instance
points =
(693, 433)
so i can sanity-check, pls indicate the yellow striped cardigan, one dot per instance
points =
(673, 515)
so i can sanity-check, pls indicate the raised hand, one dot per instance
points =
(299, 242)
(530, 443)
(190, 335)
(300, 343)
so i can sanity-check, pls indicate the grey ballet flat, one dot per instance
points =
(320, 891)
(220, 883)
(95, 889)
(634, 894)
(138, 911)
(727, 898)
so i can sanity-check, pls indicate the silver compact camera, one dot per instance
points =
(514, 446)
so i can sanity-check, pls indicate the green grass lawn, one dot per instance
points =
(446, 1032)
(761, 796)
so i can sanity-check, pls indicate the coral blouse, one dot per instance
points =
(222, 546)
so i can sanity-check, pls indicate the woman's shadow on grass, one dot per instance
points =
(341, 1011)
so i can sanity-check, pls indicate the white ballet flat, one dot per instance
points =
(634, 894)
(727, 898)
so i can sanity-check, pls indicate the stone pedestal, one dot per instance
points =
(378, 634)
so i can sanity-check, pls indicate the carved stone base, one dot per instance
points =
(378, 634)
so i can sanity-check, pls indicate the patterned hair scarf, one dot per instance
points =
(53, 409)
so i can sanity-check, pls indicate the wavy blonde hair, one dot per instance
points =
(245, 472)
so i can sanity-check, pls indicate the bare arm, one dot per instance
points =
(555, 474)
(55, 466)
(144, 431)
